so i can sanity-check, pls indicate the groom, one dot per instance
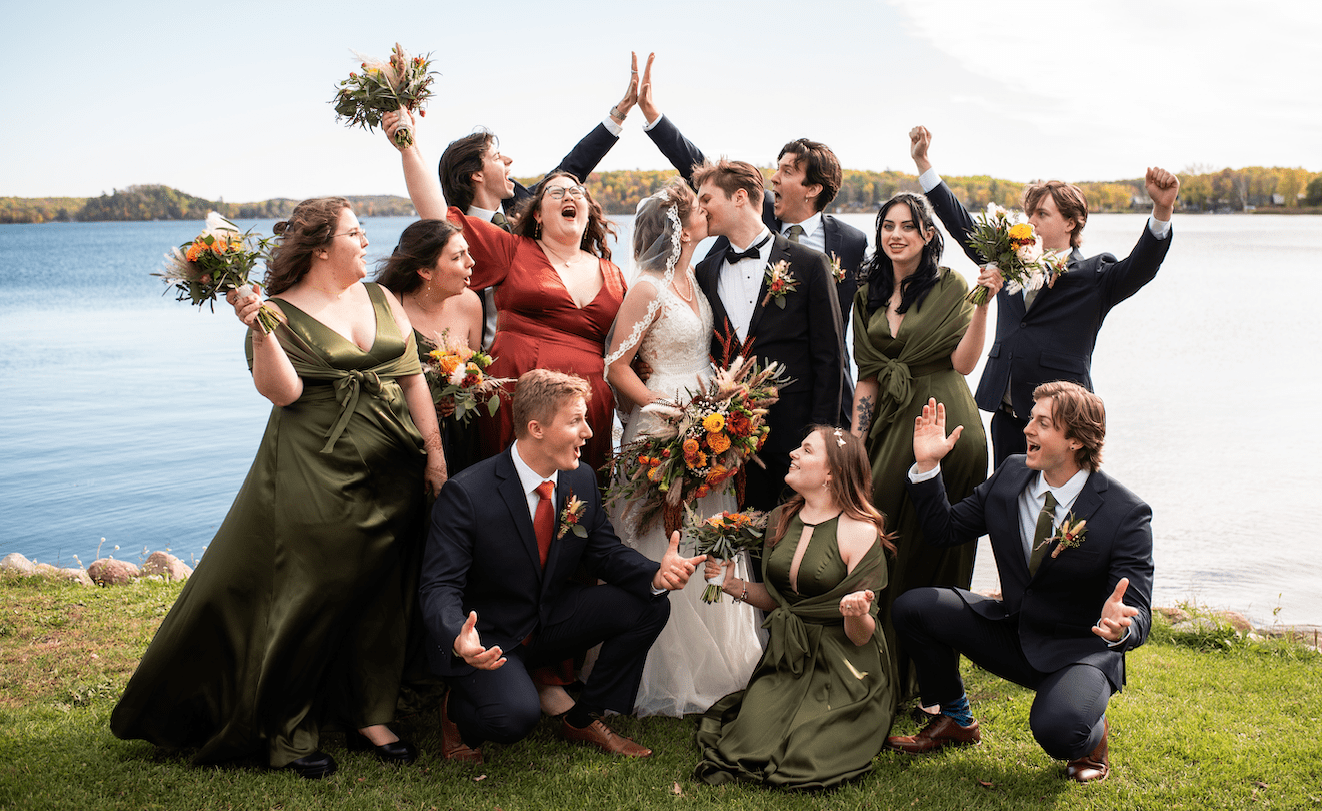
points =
(496, 592)
(1076, 597)
(800, 327)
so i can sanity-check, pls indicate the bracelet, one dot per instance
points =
(743, 595)
(615, 112)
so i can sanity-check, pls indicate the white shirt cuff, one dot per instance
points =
(915, 476)
(648, 125)
(929, 180)
(1121, 640)
(615, 129)
(1159, 228)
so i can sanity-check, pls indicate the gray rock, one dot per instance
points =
(1237, 620)
(1173, 615)
(111, 572)
(166, 566)
(18, 563)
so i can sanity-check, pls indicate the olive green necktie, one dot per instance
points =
(795, 233)
(1045, 521)
(500, 221)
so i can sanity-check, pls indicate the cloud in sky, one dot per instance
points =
(233, 103)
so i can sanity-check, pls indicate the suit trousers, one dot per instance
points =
(1007, 436)
(1070, 705)
(501, 705)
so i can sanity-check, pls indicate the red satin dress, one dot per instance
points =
(540, 327)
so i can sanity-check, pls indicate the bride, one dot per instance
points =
(704, 652)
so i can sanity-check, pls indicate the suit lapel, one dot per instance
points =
(1046, 294)
(511, 490)
(831, 234)
(1007, 516)
(780, 250)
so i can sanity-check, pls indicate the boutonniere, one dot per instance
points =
(837, 270)
(780, 282)
(1068, 536)
(570, 517)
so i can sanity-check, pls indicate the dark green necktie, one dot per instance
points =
(795, 233)
(500, 221)
(1045, 521)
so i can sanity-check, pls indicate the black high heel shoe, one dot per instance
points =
(395, 752)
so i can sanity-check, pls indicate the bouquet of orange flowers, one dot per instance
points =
(400, 83)
(453, 370)
(216, 261)
(702, 445)
(722, 537)
(1003, 239)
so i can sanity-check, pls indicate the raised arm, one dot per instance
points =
(951, 212)
(423, 184)
(680, 151)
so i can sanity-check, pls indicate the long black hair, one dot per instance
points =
(880, 271)
(419, 246)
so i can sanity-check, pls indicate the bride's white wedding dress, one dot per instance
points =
(705, 651)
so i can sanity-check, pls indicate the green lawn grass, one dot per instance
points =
(1233, 726)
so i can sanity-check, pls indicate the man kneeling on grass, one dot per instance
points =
(1074, 552)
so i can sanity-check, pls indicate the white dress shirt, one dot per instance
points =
(530, 480)
(814, 235)
(739, 285)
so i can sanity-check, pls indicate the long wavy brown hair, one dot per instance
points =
(311, 226)
(594, 236)
(850, 485)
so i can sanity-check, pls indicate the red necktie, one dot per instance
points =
(543, 521)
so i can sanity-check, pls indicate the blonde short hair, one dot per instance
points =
(540, 393)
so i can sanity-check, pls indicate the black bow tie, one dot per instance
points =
(732, 256)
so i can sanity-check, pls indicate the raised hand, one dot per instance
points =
(857, 603)
(675, 569)
(468, 646)
(1115, 614)
(631, 91)
(245, 307)
(1162, 187)
(392, 121)
(919, 140)
(645, 101)
(930, 443)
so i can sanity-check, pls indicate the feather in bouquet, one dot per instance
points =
(702, 444)
(1003, 239)
(722, 537)
(400, 83)
(454, 370)
(216, 261)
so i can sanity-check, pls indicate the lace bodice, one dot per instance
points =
(677, 348)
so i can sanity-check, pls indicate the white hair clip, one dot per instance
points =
(839, 437)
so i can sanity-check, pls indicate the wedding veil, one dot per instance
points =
(656, 245)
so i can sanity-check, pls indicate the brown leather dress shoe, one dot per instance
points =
(1095, 765)
(600, 736)
(939, 733)
(452, 744)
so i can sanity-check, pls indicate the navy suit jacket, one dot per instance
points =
(1053, 339)
(842, 240)
(1056, 607)
(481, 556)
(805, 336)
(580, 162)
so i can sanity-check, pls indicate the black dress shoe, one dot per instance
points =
(393, 752)
(314, 766)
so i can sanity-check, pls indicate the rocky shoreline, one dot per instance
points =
(164, 566)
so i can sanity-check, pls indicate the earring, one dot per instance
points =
(537, 234)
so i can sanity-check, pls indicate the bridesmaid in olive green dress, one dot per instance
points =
(429, 271)
(915, 337)
(299, 611)
(819, 704)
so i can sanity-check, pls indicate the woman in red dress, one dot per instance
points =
(557, 293)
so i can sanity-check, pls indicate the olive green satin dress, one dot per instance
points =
(817, 707)
(299, 611)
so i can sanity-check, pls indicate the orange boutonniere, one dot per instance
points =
(570, 517)
(780, 282)
(837, 269)
(1068, 536)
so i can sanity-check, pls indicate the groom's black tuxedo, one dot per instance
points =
(805, 336)
(482, 556)
(842, 239)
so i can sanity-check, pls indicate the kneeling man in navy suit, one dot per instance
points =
(506, 536)
(1074, 552)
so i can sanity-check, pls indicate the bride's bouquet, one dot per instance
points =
(1003, 239)
(401, 83)
(216, 261)
(453, 370)
(722, 537)
(701, 445)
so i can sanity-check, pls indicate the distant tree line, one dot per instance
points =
(1202, 188)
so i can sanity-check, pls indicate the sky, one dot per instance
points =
(231, 101)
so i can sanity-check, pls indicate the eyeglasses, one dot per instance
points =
(359, 234)
(559, 192)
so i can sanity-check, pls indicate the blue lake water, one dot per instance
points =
(131, 417)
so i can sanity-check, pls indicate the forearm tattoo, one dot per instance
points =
(863, 410)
